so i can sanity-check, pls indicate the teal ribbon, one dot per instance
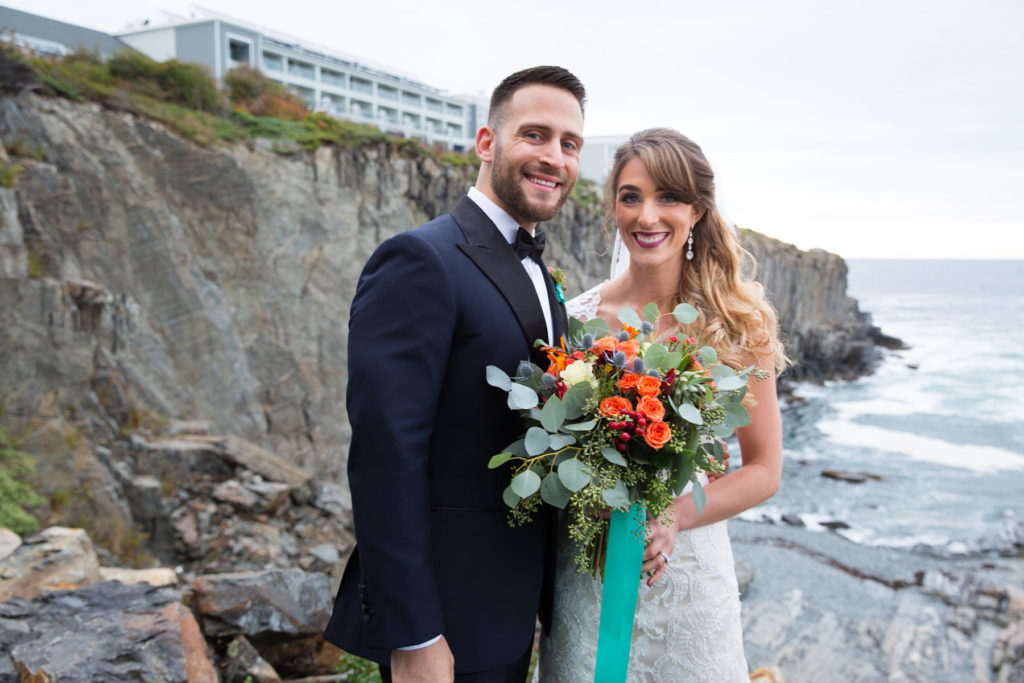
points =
(624, 557)
(560, 293)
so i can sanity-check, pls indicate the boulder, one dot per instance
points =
(311, 656)
(1008, 654)
(269, 466)
(55, 558)
(157, 576)
(145, 497)
(259, 497)
(190, 427)
(245, 665)
(850, 477)
(179, 460)
(9, 542)
(104, 632)
(792, 520)
(271, 604)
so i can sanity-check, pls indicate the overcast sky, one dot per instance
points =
(871, 129)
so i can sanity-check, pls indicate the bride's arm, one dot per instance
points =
(752, 484)
(758, 479)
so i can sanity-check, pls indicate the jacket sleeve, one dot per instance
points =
(400, 336)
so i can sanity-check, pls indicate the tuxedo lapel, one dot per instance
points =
(559, 317)
(487, 248)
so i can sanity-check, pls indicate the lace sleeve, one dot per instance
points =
(584, 307)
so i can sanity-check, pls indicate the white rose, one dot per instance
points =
(579, 372)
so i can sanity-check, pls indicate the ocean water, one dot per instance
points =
(942, 423)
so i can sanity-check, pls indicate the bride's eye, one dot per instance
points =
(628, 198)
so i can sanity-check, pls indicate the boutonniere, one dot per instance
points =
(558, 275)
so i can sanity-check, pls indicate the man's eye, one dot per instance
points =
(533, 136)
(569, 145)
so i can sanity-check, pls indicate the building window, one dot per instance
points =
(412, 120)
(434, 105)
(272, 62)
(359, 109)
(410, 99)
(301, 69)
(238, 51)
(435, 126)
(387, 114)
(334, 104)
(332, 77)
(360, 85)
(307, 94)
(455, 131)
(454, 110)
(387, 93)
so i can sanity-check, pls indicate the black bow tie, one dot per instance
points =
(528, 245)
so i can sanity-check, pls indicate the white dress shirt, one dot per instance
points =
(508, 228)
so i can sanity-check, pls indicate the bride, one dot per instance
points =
(661, 197)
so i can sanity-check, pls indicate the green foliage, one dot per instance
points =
(357, 670)
(16, 470)
(586, 193)
(35, 265)
(178, 82)
(9, 174)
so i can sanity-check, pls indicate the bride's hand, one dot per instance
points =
(725, 462)
(662, 541)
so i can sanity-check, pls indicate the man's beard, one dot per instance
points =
(505, 181)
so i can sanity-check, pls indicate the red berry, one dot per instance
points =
(616, 425)
(673, 338)
(624, 436)
(639, 431)
(642, 422)
(621, 447)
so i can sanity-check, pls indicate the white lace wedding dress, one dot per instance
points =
(687, 626)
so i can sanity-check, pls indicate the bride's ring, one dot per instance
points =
(664, 555)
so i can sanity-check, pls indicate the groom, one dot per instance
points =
(440, 586)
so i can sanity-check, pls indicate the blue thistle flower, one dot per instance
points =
(623, 336)
(638, 366)
(646, 327)
(587, 342)
(619, 359)
(524, 370)
(548, 381)
(655, 374)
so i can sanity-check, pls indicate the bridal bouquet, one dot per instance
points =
(620, 420)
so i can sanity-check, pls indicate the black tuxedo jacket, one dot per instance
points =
(435, 553)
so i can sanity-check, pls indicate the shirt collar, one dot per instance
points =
(505, 223)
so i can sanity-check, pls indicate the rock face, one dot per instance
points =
(55, 558)
(104, 632)
(145, 278)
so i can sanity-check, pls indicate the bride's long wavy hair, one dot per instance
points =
(735, 317)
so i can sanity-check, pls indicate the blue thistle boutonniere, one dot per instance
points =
(558, 275)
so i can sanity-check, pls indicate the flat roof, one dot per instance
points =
(71, 36)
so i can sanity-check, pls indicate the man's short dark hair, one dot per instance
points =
(555, 76)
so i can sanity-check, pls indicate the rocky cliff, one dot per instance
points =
(143, 278)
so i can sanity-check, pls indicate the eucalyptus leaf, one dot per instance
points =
(537, 441)
(510, 498)
(552, 415)
(526, 483)
(576, 398)
(698, 497)
(731, 383)
(708, 355)
(574, 474)
(553, 491)
(613, 456)
(685, 313)
(497, 378)
(629, 317)
(534, 414)
(720, 371)
(656, 356)
(640, 455)
(722, 431)
(719, 450)
(709, 397)
(675, 359)
(597, 327)
(689, 412)
(692, 440)
(522, 398)
(651, 313)
(682, 472)
(581, 426)
(617, 497)
(743, 392)
(575, 328)
(736, 415)
(499, 460)
(517, 448)
(567, 454)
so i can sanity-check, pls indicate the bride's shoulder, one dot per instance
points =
(584, 307)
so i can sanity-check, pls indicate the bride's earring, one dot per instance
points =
(689, 246)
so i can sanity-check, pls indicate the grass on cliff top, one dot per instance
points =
(187, 100)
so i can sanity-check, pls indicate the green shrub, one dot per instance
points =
(9, 174)
(17, 468)
(179, 82)
(359, 670)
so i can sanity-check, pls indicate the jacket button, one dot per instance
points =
(366, 618)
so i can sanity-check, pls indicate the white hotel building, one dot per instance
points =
(328, 81)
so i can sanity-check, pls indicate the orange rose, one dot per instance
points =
(604, 344)
(629, 381)
(614, 406)
(657, 434)
(651, 408)
(649, 386)
(630, 348)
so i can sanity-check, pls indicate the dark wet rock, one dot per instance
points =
(105, 632)
(850, 477)
(792, 520)
(271, 604)
(180, 461)
(312, 656)
(887, 342)
(243, 664)
(836, 525)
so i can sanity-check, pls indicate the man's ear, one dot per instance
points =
(486, 139)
